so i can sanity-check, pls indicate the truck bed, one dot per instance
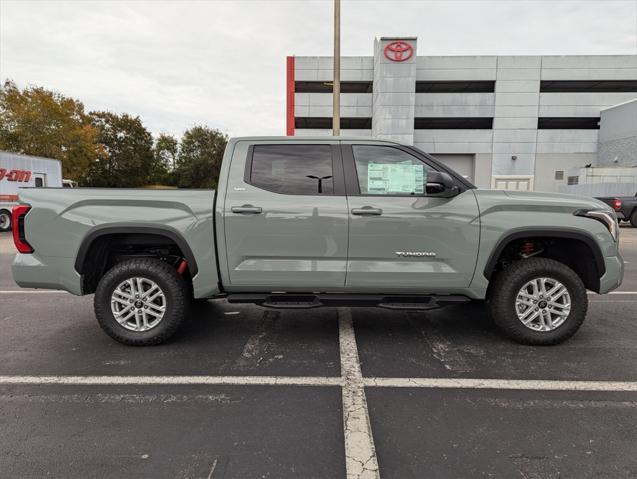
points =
(61, 220)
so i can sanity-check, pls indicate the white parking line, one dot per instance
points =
(172, 380)
(613, 292)
(431, 383)
(28, 291)
(523, 384)
(360, 453)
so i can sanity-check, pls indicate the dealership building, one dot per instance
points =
(514, 122)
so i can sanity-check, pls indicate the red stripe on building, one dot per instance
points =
(290, 97)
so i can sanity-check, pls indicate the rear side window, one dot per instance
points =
(293, 169)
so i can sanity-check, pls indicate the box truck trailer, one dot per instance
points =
(20, 171)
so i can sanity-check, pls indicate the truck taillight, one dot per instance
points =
(617, 204)
(19, 238)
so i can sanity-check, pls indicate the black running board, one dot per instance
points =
(311, 300)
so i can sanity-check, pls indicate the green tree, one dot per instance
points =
(200, 157)
(165, 152)
(127, 152)
(40, 122)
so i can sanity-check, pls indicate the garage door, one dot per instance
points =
(461, 164)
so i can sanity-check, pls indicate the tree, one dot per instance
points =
(127, 147)
(36, 121)
(200, 157)
(165, 152)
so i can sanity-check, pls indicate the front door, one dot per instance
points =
(286, 218)
(400, 239)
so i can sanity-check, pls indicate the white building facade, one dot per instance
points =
(513, 122)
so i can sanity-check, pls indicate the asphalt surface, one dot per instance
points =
(272, 430)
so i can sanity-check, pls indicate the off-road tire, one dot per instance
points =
(507, 284)
(4, 212)
(170, 282)
(633, 219)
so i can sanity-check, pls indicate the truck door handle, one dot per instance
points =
(367, 210)
(247, 210)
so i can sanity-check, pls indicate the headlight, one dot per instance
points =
(607, 218)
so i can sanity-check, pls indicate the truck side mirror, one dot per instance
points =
(441, 184)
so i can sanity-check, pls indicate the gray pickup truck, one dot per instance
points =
(309, 222)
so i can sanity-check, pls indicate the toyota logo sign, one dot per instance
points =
(399, 51)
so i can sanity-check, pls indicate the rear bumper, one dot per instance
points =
(35, 271)
(620, 215)
(614, 274)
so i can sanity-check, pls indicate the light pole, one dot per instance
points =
(336, 87)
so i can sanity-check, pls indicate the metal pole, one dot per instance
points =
(336, 88)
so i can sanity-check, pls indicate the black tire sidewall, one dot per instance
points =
(633, 219)
(172, 286)
(7, 212)
(509, 283)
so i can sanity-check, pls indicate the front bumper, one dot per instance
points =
(614, 274)
(35, 271)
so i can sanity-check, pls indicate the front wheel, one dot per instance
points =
(5, 220)
(538, 301)
(141, 302)
(633, 219)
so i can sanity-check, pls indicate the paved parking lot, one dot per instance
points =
(249, 392)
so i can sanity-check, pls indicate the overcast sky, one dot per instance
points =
(222, 63)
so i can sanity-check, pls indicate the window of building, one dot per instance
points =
(568, 123)
(325, 123)
(587, 86)
(39, 182)
(383, 170)
(573, 180)
(455, 86)
(559, 175)
(326, 87)
(469, 123)
(293, 169)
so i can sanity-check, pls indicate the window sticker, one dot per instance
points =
(387, 179)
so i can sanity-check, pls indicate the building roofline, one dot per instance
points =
(310, 138)
(397, 38)
(634, 100)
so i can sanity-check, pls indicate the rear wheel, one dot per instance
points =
(633, 219)
(141, 302)
(5, 220)
(538, 301)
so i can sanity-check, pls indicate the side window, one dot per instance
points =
(383, 170)
(39, 182)
(293, 169)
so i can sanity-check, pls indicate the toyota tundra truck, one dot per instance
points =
(309, 222)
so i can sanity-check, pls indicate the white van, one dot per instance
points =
(20, 171)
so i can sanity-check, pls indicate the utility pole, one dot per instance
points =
(336, 87)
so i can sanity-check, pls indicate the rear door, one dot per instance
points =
(285, 216)
(400, 239)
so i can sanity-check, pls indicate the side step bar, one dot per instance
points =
(310, 300)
